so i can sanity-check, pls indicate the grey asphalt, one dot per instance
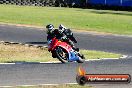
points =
(28, 74)
(117, 44)
(34, 74)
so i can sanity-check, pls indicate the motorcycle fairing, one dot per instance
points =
(71, 53)
(73, 56)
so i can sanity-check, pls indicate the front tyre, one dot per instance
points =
(62, 54)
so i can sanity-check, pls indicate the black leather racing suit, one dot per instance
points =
(66, 36)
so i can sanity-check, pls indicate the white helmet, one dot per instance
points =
(61, 28)
(50, 28)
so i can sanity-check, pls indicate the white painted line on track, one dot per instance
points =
(6, 86)
(7, 63)
(55, 61)
(48, 84)
(37, 85)
(58, 84)
(123, 56)
(50, 62)
(2, 41)
(26, 85)
(102, 59)
(71, 83)
(30, 63)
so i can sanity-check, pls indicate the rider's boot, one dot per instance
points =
(81, 55)
(76, 49)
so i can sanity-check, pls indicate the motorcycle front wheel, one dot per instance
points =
(62, 54)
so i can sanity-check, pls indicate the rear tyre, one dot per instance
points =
(62, 54)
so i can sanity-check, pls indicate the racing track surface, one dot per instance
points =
(35, 73)
(118, 44)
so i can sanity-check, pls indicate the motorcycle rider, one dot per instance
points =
(50, 31)
(67, 36)
(62, 33)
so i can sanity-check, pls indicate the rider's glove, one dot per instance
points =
(64, 38)
(49, 41)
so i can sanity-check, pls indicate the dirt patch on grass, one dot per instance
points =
(21, 53)
(13, 53)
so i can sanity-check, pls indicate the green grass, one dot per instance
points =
(16, 53)
(59, 86)
(92, 54)
(116, 22)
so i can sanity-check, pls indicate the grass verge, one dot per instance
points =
(116, 22)
(14, 53)
(59, 86)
